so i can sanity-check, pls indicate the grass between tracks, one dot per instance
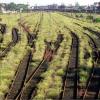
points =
(51, 85)
(11, 20)
(85, 65)
(9, 64)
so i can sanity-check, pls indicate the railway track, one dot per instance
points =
(29, 90)
(15, 39)
(2, 31)
(92, 88)
(70, 81)
(3, 28)
(19, 77)
(25, 89)
(70, 16)
(91, 91)
(33, 80)
(93, 31)
(32, 37)
(17, 90)
(23, 68)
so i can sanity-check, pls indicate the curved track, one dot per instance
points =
(3, 28)
(93, 84)
(70, 82)
(93, 31)
(23, 67)
(15, 39)
(19, 77)
(29, 90)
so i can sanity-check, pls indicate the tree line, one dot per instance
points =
(16, 7)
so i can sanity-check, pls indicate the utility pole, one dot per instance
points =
(95, 7)
(95, 11)
(20, 17)
(27, 8)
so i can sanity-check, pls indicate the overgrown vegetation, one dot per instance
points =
(51, 25)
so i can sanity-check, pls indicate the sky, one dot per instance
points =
(46, 2)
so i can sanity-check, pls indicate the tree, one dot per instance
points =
(16, 7)
(11, 6)
(19, 6)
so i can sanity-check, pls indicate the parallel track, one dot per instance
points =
(15, 39)
(22, 71)
(93, 84)
(93, 31)
(70, 82)
(29, 90)
(19, 77)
